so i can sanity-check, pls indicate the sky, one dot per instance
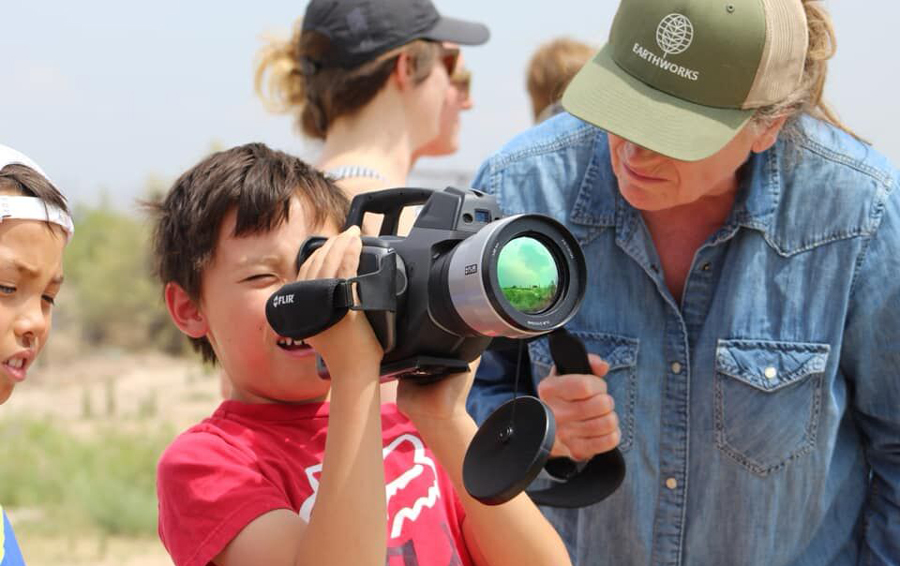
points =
(525, 262)
(106, 94)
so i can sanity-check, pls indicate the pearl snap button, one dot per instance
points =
(676, 368)
(771, 373)
(671, 483)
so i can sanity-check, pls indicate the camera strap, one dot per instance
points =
(305, 308)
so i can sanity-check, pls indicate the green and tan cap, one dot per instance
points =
(682, 77)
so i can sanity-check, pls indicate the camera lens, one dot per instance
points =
(517, 277)
(528, 275)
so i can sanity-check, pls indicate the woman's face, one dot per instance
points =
(651, 182)
(458, 98)
(431, 97)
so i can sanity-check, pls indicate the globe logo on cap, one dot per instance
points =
(674, 34)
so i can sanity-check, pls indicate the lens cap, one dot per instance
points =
(509, 450)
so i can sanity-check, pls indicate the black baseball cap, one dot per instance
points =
(361, 30)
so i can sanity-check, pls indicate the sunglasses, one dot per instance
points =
(462, 80)
(450, 59)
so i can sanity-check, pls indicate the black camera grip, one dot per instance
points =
(584, 483)
(569, 353)
(389, 202)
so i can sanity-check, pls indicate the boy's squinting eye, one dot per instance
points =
(7, 290)
(50, 299)
(259, 277)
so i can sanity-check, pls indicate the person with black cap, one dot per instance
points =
(744, 292)
(380, 83)
(370, 78)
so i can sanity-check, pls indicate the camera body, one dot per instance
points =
(463, 275)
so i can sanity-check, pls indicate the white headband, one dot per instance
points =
(30, 208)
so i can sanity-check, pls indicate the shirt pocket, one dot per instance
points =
(621, 353)
(768, 397)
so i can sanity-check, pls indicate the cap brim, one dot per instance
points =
(458, 31)
(603, 94)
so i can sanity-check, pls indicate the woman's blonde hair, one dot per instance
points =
(288, 80)
(808, 97)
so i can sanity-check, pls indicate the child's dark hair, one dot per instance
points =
(25, 181)
(253, 179)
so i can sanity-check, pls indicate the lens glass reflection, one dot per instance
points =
(528, 275)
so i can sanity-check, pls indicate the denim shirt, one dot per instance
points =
(760, 411)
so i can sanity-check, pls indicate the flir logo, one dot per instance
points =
(472, 269)
(282, 300)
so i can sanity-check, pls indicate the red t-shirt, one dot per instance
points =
(247, 460)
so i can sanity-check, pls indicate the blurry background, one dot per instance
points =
(114, 100)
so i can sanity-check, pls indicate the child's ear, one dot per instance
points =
(185, 312)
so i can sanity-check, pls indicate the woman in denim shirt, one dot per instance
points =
(744, 290)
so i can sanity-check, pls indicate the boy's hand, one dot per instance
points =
(433, 403)
(352, 338)
(586, 422)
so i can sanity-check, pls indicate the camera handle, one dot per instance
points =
(389, 202)
(513, 444)
(583, 483)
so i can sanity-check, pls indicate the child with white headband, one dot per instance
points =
(34, 228)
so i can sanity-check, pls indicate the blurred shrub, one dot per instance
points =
(103, 482)
(111, 296)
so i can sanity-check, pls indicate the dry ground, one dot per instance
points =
(90, 551)
(84, 392)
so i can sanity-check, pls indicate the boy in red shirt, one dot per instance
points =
(294, 469)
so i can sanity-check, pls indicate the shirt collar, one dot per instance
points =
(759, 192)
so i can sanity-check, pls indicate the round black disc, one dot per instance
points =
(509, 450)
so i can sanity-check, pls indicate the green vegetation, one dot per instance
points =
(102, 483)
(96, 480)
(81, 489)
(530, 300)
(110, 297)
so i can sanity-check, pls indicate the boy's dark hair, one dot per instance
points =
(25, 181)
(253, 179)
